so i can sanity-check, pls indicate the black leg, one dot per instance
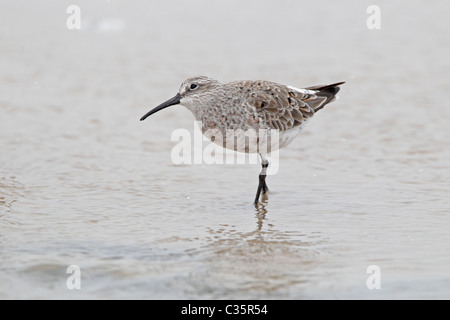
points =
(261, 186)
(265, 188)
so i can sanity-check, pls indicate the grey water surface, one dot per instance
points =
(83, 182)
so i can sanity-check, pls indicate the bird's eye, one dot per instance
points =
(193, 86)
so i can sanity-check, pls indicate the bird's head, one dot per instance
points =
(192, 92)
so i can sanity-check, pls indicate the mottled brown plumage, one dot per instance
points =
(282, 107)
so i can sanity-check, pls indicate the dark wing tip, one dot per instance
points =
(333, 88)
(328, 91)
(327, 87)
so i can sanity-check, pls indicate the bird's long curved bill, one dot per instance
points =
(168, 103)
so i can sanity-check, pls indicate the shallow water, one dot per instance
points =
(83, 182)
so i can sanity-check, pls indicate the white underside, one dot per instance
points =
(263, 142)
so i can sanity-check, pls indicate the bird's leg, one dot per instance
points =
(264, 165)
(262, 185)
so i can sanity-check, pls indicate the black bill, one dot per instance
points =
(168, 103)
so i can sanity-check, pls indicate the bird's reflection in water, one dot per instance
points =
(261, 212)
(265, 259)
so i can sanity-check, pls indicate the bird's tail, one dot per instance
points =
(325, 94)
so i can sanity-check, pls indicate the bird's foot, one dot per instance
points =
(262, 186)
(265, 188)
